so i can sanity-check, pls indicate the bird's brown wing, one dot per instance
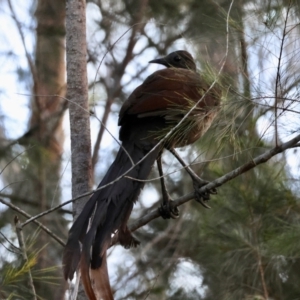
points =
(164, 89)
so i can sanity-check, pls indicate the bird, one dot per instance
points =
(172, 108)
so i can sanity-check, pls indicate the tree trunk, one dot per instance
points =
(48, 107)
(77, 93)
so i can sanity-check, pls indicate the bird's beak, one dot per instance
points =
(161, 61)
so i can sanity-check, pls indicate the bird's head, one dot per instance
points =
(178, 59)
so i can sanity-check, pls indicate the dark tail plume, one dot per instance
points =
(111, 206)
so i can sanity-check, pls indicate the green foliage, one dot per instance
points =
(14, 278)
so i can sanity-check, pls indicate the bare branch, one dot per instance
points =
(46, 212)
(278, 75)
(19, 26)
(221, 180)
(22, 212)
(14, 158)
(13, 249)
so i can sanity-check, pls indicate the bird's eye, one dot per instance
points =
(177, 58)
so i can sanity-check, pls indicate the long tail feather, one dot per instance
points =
(113, 207)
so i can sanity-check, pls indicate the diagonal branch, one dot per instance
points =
(22, 212)
(221, 180)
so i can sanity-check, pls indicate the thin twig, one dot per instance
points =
(24, 254)
(16, 249)
(278, 75)
(153, 285)
(14, 158)
(22, 212)
(46, 212)
(19, 27)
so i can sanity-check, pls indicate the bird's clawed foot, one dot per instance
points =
(203, 197)
(126, 239)
(168, 211)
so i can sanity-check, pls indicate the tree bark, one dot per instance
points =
(77, 94)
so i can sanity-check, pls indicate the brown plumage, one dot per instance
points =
(149, 113)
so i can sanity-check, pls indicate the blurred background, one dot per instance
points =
(247, 245)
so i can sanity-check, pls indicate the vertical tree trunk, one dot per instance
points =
(48, 137)
(49, 79)
(77, 93)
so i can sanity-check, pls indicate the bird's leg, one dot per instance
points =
(198, 182)
(167, 210)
